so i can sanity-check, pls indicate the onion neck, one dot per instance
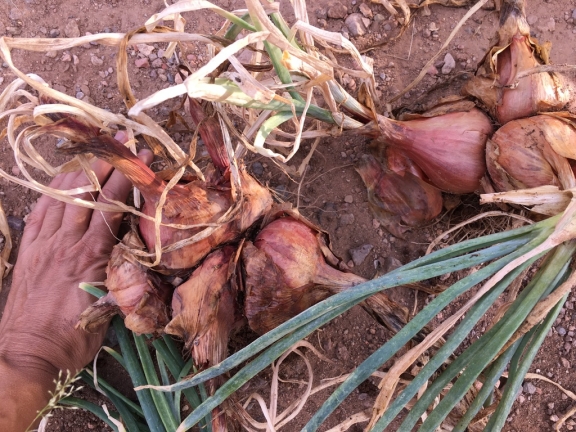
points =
(211, 133)
(107, 148)
(336, 280)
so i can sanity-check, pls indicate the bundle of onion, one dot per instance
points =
(290, 267)
(397, 193)
(205, 311)
(196, 204)
(449, 148)
(502, 83)
(133, 290)
(532, 152)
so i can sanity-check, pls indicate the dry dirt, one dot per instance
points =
(331, 193)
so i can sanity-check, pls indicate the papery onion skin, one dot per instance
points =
(286, 272)
(204, 308)
(397, 194)
(205, 312)
(448, 148)
(133, 290)
(507, 97)
(520, 155)
(194, 203)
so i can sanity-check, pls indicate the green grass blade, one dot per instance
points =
(128, 419)
(249, 371)
(269, 125)
(281, 25)
(384, 353)
(116, 355)
(491, 377)
(166, 381)
(93, 408)
(550, 274)
(234, 30)
(171, 346)
(134, 369)
(160, 399)
(350, 298)
(88, 377)
(455, 339)
(498, 419)
(91, 289)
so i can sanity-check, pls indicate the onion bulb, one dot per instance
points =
(204, 308)
(194, 203)
(286, 272)
(133, 290)
(205, 312)
(497, 84)
(397, 193)
(448, 148)
(530, 152)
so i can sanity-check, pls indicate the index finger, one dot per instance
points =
(117, 188)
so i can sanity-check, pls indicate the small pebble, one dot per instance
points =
(529, 388)
(349, 199)
(96, 61)
(449, 64)
(257, 169)
(337, 11)
(141, 63)
(561, 331)
(16, 223)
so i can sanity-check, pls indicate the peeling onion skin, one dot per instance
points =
(286, 272)
(133, 290)
(507, 97)
(205, 313)
(204, 308)
(193, 203)
(522, 154)
(397, 195)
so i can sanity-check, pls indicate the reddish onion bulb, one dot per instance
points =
(527, 153)
(286, 272)
(397, 193)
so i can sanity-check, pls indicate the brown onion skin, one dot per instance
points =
(448, 148)
(520, 155)
(398, 198)
(205, 313)
(133, 290)
(193, 203)
(286, 272)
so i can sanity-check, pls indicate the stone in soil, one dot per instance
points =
(71, 29)
(360, 253)
(145, 49)
(355, 25)
(257, 169)
(321, 13)
(96, 61)
(142, 63)
(16, 223)
(529, 388)
(346, 219)
(365, 10)
(449, 64)
(389, 263)
(561, 331)
(337, 11)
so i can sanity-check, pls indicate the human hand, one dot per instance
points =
(62, 245)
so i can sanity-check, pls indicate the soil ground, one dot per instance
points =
(331, 194)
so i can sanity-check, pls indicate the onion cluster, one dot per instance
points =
(453, 149)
